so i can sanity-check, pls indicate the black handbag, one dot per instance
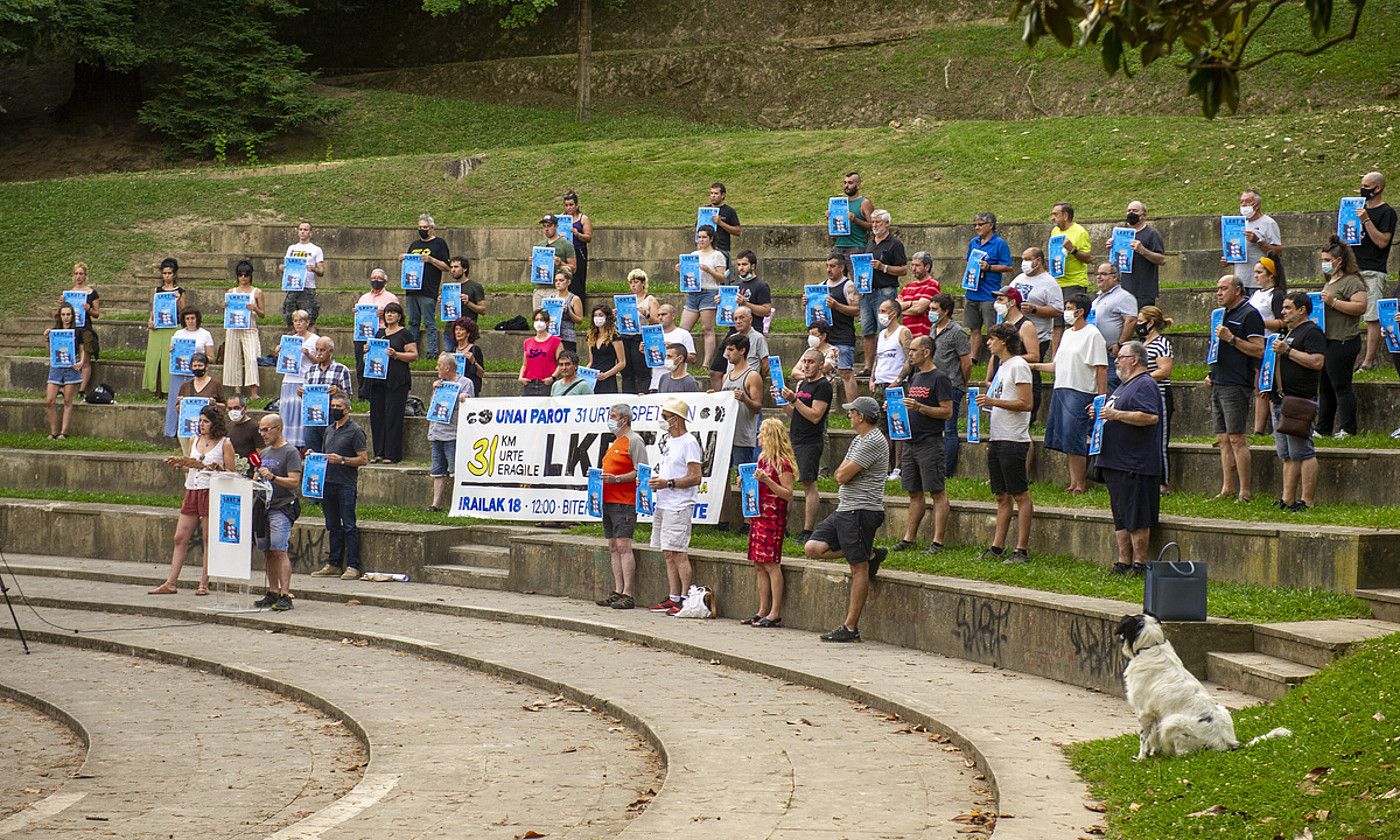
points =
(1173, 590)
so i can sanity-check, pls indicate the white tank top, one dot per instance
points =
(889, 357)
(214, 456)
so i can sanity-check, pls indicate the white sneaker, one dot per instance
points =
(894, 476)
(1395, 435)
(1341, 435)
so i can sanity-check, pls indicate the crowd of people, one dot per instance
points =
(1093, 323)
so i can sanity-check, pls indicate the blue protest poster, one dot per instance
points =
(181, 354)
(1055, 254)
(444, 402)
(818, 307)
(188, 426)
(165, 310)
(289, 355)
(896, 413)
(972, 272)
(690, 273)
(1265, 381)
(654, 345)
(589, 375)
(377, 359)
(411, 272)
(461, 359)
(748, 490)
(974, 416)
(629, 319)
(366, 321)
(1092, 318)
(775, 373)
(1319, 310)
(230, 518)
(863, 272)
(63, 348)
(236, 313)
(1348, 223)
(728, 302)
(706, 216)
(1096, 437)
(294, 274)
(1232, 242)
(315, 405)
(595, 492)
(837, 210)
(1121, 251)
(450, 304)
(1385, 310)
(644, 497)
(77, 300)
(554, 308)
(566, 227)
(313, 475)
(542, 265)
(1217, 318)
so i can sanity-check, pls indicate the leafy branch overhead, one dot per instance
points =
(1215, 33)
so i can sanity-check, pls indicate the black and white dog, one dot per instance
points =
(1176, 715)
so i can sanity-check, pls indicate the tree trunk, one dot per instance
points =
(585, 58)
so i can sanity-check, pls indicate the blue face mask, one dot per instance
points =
(1328, 267)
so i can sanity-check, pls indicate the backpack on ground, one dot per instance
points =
(101, 395)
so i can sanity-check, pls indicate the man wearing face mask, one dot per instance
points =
(672, 334)
(1149, 252)
(888, 264)
(242, 431)
(1261, 237)
(326, 371)
(421, 304)
(619, 465)
(1115, 314)
(952, 354)
(1372, 255)
(1043, 302)
(376, 295)
(677, 378)
(346, 451)
(753, 292)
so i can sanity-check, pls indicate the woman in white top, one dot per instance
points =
(211, 452)
(1268, 302)
(701, 305)
(203, 343)
(289, 403)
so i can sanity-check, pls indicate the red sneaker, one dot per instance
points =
(675, 608)
(665, 606)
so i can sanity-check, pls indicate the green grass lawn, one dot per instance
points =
(1336, 777)
(35, 440)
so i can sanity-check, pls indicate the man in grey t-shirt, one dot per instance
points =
(849, 533)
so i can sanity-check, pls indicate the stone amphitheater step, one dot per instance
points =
(810, 755)
(475, 577)
(241, 761)
(481, 556)
(1384, 603)
(1340, 558)
(1316, 643)
(1256, 673)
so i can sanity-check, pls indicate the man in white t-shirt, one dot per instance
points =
(1010, 399)
(676, 484)
(671, 334)
(315, 267)
(1261, 235)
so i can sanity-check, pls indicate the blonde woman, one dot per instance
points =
(777, 475)
(636, 377)
(242, 347)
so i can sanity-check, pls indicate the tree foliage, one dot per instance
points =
(1215, 33)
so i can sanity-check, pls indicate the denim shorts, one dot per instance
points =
(1288, 447)
(444, 457)
(845, 356)
(64, 375)
(279, 532)
(1068, 426)
(870, 309)
(701, 300)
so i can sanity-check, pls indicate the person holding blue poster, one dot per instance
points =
(388, 396)
(1239, 345)
(776, 475)
(806, 404)
(1080, 368)
(676, 484)
(569, 307)
(314, 267)
(280, 466)
(1378, 221)
(888, 263)
(462, 344)
(1345, 295)
(346, 451)
(702, 305)
(289, 402)
(89, 309)
(929, 401)
(1076, 251)
(379, 298)
(242, 346)
(637, 376)
(1132, 457)
(421, 303)
(459, 268)
(192, 334)
(582, 234)
(450, 302)
(564, 253)
(449, 391)
(1301, 351)
(1010, 399)
(1115, 312)
(1146, 254)
(66, 360)
(620, 465)
(1261, 236)
(210, 452)
(978, 314)
(567, 381)
(166, 304)
(849, 234)
(605, 351)
(326, 371)
(725, 219)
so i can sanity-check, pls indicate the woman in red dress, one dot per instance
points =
(776, 477)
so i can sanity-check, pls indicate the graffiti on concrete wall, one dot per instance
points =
(981, 626)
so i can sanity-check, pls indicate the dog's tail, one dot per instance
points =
(1279, 732)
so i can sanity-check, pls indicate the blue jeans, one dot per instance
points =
(338, 507)
(950, 436)
(870, 308)
(422, 310)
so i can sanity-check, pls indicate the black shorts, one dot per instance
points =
(921, 466)
(809, 460)
(1006, 466)
(1136, 499)
(856, 527)
(619, 520)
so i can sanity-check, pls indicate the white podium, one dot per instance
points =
(230, 536)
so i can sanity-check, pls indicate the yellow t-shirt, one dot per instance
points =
(1076, 272)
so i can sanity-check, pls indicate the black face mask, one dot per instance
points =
(1368, 193)
(1142, 330)
(198, 371)
(376, 284)
(337, 414)
(424, 234)
(1134, 218)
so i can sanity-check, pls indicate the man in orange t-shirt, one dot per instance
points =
(620, 503)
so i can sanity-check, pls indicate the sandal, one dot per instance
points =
(203, 590)
(53, 437)
(765, 621)
(163, 589)
(751, 620)
(62, 436)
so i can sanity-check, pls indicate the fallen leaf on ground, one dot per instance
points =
(1212, 811)
(1097, 807)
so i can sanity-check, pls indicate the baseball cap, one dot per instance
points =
(1012, 294)
(866, 406)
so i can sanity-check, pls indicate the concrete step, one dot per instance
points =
(471, 577)
(482, 556)
(1256, 673)
(1384, 603)
(1317, 643)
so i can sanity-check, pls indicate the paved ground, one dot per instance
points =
(737, 745)
(36, 753)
